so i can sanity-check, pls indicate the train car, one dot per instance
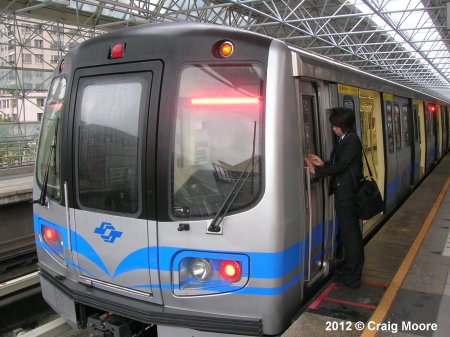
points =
(170, 187)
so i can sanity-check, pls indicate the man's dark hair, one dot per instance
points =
(343, 118)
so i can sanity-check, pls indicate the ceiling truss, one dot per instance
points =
(406, 41)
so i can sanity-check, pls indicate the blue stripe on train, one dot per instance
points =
(262, 265)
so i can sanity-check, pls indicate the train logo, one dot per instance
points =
(107, 232)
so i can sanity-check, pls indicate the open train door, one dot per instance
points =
(114, 226)
(309, 130)
(372, 141)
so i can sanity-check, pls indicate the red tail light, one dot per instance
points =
(231, 271)
(432, 108)
(53, 239)
(50, 235)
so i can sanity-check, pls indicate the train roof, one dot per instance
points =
(318, 66)
(313, 65)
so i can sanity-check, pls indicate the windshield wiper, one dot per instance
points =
(223, 210)
(42, 198)
(214, 226)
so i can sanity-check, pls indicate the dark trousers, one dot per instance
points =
(350, 237)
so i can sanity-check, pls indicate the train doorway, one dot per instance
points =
(314, 203)
(372, 142)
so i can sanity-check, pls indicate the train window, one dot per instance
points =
(108, 141)
(48, 160)
(390, 127)
(308, 122)
(405, 118)
(218, 140)
(349, 102)
(397, 127)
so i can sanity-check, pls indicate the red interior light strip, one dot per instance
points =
(224, 100)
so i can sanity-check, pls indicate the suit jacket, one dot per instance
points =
(345, 158)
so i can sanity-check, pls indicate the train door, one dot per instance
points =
(447, 118)
(402, 115)
(372, 140)
(114, 131)
(443, 128)
(430, 129)
(439, 131)
(447, 127)
(420, 132)
(413, 135)
(315, 203)
(390, 191)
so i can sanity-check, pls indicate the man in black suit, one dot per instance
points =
(345, 169)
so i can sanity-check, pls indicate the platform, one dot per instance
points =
(406, 281)
(16, 188)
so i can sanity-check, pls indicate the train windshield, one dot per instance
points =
(48, 162)
(218, 138)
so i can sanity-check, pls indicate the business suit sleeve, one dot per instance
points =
(347, 153)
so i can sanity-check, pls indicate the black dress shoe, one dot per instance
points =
(354, 285)
(340, 279)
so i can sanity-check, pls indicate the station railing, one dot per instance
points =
(18, 144)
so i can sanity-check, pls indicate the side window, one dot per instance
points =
(390, 127)
(308, 119)
(397, 127)
(109, 110)
(349, 103)
(48, 160)
(405, 119)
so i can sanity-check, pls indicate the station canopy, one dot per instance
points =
(406, 41)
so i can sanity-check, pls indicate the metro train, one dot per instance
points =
(170, 187)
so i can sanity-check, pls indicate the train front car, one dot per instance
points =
(168, 182)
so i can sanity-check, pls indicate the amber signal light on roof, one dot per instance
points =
(226, 49)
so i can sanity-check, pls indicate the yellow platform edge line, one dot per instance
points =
(388, 297)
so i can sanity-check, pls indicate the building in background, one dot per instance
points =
(30, 49)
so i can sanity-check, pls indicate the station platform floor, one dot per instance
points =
(406, 280)
(15, 188)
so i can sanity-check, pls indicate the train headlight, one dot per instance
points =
(200, 269)
(206, 273)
